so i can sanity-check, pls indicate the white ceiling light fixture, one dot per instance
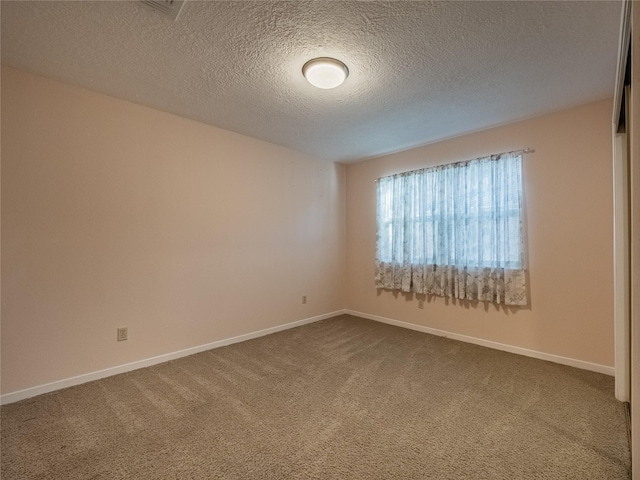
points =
(325, 72)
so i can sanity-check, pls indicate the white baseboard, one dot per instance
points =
(571, 362)
(108, 372)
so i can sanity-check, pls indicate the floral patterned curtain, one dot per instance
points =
(454, 230)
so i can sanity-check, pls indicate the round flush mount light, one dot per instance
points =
(325, 72)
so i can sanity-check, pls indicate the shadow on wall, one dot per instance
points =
(461, 303)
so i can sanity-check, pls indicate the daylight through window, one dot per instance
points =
(454, 230)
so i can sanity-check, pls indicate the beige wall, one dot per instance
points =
(114, 214)
(568, 194)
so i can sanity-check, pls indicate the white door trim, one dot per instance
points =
(621, 268)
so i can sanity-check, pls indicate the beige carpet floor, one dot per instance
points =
(344, 398)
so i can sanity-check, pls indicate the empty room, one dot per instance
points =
(320, 240)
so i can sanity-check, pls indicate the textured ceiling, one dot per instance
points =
(419, 71)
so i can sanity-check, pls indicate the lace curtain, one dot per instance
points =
(454, 230)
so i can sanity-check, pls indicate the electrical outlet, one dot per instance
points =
(421, 304)
(304, 299)
(122, 334)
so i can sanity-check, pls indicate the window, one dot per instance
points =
(454, 230)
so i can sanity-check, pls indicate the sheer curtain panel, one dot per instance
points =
(454, 230)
